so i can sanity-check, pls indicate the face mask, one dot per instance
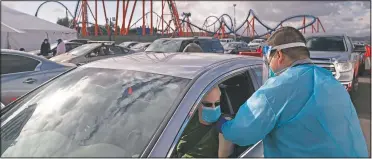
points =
(271, 73)
(211, 115)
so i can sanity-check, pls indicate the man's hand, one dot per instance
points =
(220, 122)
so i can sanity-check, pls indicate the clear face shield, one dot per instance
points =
(268, 50)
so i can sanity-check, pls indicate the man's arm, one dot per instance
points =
(225, 147)
(254, 120)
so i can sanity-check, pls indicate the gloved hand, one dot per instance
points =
(220, 122)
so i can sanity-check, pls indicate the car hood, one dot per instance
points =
(329, 55)
(62, 58)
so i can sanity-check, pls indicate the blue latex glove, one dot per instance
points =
(220, 122)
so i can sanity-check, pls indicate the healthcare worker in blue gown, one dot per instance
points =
(300, 111)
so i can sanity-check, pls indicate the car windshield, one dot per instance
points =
(165, 45)
(334, 43)
(139, 46)
(231, 45)
(126, 44)
(81, 50)
(90, 112)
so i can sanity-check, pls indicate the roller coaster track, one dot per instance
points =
(218, 20)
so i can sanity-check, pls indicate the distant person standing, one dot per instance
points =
(61, 47)
(45, 48)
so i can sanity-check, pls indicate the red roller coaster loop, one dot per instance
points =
(220, 28)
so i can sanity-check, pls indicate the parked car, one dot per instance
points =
(235, 47)
(225, 41)
(82, 41)
(100, 42)
(255, 43)
(21, 72)
(91, 52)
(208, 44)
(130, 106)
(140, 47)
(335, 52)
(53, 47)
(129, 44)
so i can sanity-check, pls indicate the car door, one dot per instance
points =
(19, 75)
(254, 150)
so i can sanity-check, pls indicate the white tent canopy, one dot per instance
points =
(21, 30)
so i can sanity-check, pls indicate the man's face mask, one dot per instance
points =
(210, 114)
(268, 50)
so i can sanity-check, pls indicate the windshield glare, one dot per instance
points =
(90, 112)
(335, 43)
(139, 46)
(81, 50)
(165, 45)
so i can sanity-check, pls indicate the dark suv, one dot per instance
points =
(164, 45)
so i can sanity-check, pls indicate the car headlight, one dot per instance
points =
(344, 66)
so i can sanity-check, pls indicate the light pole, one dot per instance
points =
(234, 23)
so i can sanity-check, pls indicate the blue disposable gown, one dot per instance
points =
(303, 112)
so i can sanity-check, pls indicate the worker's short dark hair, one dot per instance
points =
(287, 35)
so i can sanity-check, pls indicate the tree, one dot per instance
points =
(64, 22)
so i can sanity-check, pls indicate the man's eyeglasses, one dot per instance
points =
(208, 104)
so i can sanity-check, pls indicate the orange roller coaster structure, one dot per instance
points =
(221, 27)
(81, 15)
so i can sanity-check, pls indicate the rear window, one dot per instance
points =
(90, 112)
(334, 43)
(165, 45)
(211, 45)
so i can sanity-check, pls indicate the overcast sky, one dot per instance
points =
(351, 17)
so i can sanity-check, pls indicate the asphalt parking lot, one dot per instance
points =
(362, 103)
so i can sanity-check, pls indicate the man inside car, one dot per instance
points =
(200, 138)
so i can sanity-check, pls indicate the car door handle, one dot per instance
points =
(29, 81)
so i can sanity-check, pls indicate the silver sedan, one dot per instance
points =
(22, 72)
(91, 52)
(130, 106)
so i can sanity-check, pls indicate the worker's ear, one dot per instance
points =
(281, 57)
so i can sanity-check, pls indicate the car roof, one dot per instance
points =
(324, 34)
(72, 43)
(185, 65)
(21, 53)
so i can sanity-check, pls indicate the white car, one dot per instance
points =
(225, 41)
(255, 43)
